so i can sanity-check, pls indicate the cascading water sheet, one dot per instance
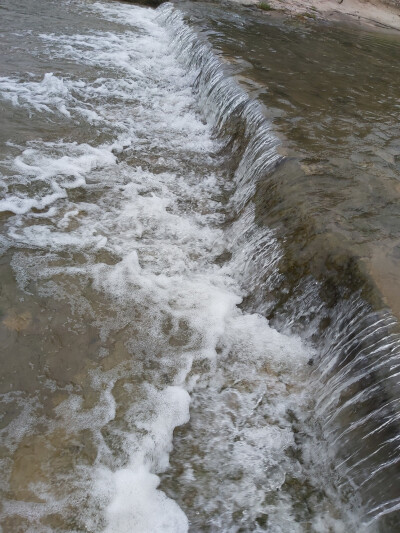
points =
(127, 250)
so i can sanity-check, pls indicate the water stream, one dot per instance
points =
(198, 299)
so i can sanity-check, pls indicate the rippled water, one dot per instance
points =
(145, 256)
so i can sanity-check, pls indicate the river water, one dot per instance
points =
(199, 238)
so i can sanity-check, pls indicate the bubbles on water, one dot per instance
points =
(43, 96)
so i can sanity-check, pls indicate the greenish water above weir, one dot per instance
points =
(199, 237)
(332, 94)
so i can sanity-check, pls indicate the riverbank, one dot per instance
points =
(376, 14)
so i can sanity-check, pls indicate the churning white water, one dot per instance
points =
(123, 219)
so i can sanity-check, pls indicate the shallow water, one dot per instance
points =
(142, 256)
(332, 94)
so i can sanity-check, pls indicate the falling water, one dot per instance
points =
(164, 368)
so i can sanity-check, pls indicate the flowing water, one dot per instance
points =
(199, 242)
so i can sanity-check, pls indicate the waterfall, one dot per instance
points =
(355, 372)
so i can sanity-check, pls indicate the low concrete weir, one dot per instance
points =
(356, 366)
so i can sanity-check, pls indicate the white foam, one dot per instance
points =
(140, 220)
(51, 169)
(47, 95)
(137, 504)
